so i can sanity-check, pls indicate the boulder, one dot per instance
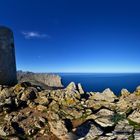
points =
(88, 131)
(41, 108)
(42, 100)
(7, 130)
(58, 128)
(124, 93)
(123, 127)
(138, 88)
(123, 105)
(28, 94)
(109, 95)
(71, 87)
(135, 116)
(137, 135)
(103, 118)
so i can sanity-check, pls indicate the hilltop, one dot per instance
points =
(31, 112)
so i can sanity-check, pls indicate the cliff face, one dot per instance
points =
(42, 79)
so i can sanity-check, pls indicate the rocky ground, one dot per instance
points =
(30, 112)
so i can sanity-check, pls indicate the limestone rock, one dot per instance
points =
(42, 100)
(107, 138)
(71, 87)
(138, 88)
(104, 118)
(41, 108)
(7, 130)
(88, 130)
(28, 94)
(58, 128)
(123, 105)
(80, 89)
(123, 127)
(137, 135)
(109, 95)
(135, 116)
(124, 93)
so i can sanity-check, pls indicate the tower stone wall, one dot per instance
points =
(7, 57)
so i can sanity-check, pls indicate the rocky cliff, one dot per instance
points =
(29, 112)
(43, 79)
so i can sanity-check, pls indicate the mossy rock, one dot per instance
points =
(136, 125)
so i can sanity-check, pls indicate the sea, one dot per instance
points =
(97, 82)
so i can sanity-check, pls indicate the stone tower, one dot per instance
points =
(7, 57)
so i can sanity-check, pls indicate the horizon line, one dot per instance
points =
(82, 72)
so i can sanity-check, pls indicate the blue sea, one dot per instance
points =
(100, 81)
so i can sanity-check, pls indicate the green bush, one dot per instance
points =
(118, 117)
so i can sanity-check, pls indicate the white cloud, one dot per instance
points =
(32, 34)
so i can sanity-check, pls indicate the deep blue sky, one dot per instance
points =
(74, 35)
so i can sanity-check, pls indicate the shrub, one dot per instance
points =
(118, 117)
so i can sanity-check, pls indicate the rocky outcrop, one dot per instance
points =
(41, 79)
(30, 112)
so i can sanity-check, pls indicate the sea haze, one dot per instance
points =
(100, 81)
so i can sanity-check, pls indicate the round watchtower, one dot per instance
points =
(7, 57)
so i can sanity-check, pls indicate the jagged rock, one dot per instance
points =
(80, 89)
(123, 136)
(41, 108)
(42, 101)
(123, 105)
(19, 117)
(96, 105)
(6, 93)
(88, 131)
(14, 138)
(28, 94)
(104, 99)
(108, 138)
(54, 106)
(138, 88)
(31, 131)
(67, 114)
(39, 124)
(135, 116)
(58, 128)
(123, 127)
(109, 95)
(124, 93)
(8, 117)
(137, 135)
(20, 87)
(103, 118)
(71, 87)
(71, 113)
(41, 119)
(7, 130)
(106, 95)
(52, 116)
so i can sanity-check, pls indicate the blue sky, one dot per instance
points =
(74, 35)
